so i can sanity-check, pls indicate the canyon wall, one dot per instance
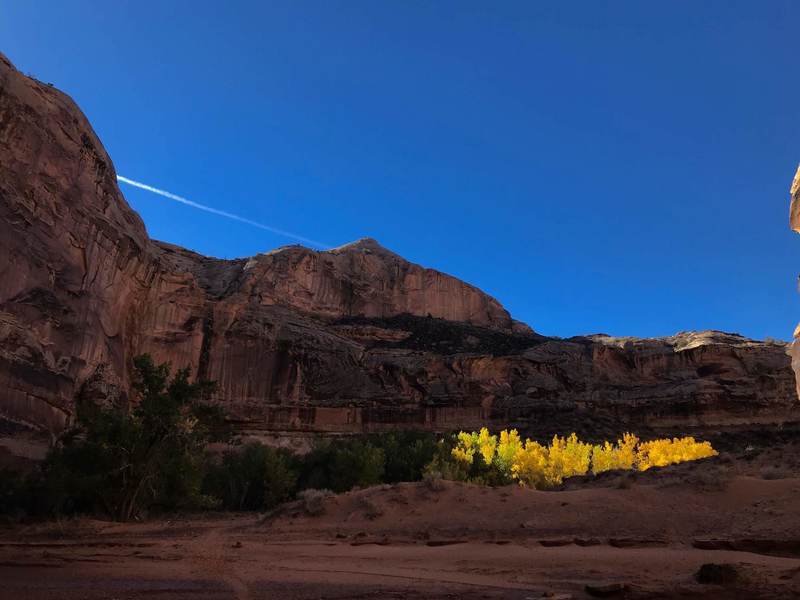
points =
(794, 223)
(345, 340)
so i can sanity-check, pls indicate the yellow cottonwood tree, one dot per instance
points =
(539, 466)
(469, 444)
(487, 444)
(507, 449)
(607, 457)
(567, 458)
(530, 464)
(660, 453)
(626, 451)
(604, 458)
(464, 450)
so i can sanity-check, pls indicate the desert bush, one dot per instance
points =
(772, 473)
(713, 478)
(313, 500)
(372, 510)
(433, 481)
(254, 477)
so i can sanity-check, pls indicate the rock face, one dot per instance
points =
(794, 223)
(350, 339)
(794, 207)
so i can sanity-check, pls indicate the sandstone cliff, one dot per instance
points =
(299, 340)
(794, 207)
(794, 223)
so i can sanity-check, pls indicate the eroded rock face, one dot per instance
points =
(794, 223)
(74, 258)
(350, 339)
(794, 207)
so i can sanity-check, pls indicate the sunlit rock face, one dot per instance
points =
(345, 340)
(74, 258)
(794, 208)
(794, 223)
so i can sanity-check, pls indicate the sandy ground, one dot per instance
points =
(649, 536)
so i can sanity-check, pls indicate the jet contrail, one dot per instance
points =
(221, 213)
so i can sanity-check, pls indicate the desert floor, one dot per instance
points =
(642, 535)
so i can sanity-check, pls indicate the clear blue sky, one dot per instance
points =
(618, 167)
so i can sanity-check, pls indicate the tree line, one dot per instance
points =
(126, 462)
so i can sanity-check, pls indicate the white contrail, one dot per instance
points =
(221, 213)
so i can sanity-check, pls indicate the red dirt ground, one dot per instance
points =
(443, 540)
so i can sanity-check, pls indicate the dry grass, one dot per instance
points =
(372, 510)
(434, 482)
(313, 501)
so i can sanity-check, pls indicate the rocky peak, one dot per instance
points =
(365, 245)
(364, 279)
(794, 208)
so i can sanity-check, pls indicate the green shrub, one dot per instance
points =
(252, 478)
(406, 454)
(342, 465)
(122, 461)
(180, 485)
(444, 466)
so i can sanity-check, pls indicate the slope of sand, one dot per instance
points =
(443, 540)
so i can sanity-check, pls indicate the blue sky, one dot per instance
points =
(618, 167)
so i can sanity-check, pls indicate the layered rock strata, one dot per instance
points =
(345, 340)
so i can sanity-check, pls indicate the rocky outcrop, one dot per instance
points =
(794, 223)
(342, 282)
(349, 339)
(794, 206)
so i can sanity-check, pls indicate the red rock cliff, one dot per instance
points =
(794, 223)
(342, 340)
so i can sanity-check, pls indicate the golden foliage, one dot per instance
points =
(464, 450)
(620, 456)
(507, 449)
(660, 453)
(530, 465)
(468, 444)
(567, 458)
(487, 444)
(539, 466)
